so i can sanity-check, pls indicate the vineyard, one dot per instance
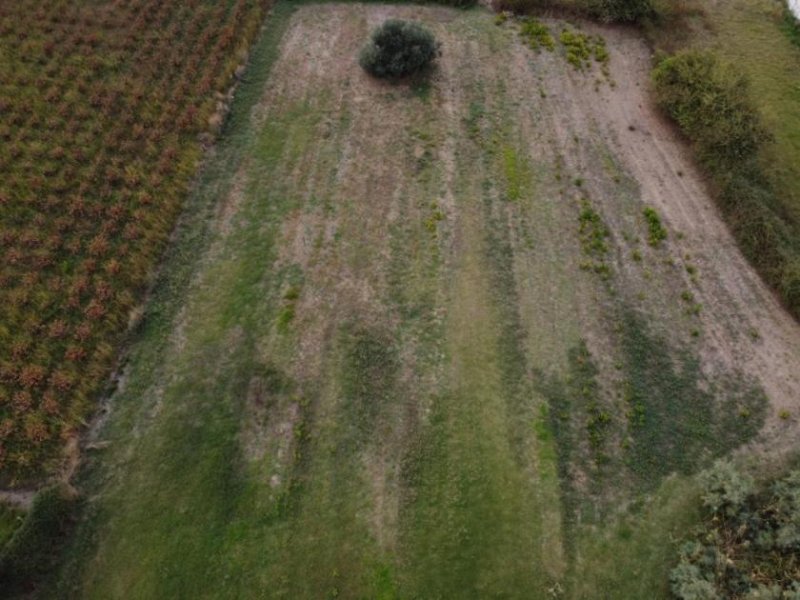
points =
(104, 109)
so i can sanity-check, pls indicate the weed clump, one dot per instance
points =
(577, 46)
(594, 235)
(536, 34)
(581, 48)
(398, 48)
(656, 231)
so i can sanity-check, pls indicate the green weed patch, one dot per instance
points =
(675, 422)
(536, 34)
(594, 236)
(656, 232)
(581, 48)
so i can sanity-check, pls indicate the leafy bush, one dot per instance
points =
(749, 545)
(725, 489)
(398, 48)
(712, 105)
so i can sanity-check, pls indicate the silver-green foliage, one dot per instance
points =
(749, 546)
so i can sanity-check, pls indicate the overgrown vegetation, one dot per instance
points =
(620, 11)
(791, 26)
(33, 549)
(10, 519)
(101, 105)
(676, 417)
(749, 545)
(398, 48)
(712, 105)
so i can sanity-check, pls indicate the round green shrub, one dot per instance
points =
(398, 48)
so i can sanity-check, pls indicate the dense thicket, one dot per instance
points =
(712, 105)
(621, 11)
(749, 544)
(397, 48)
(101, 105)
(33, 549)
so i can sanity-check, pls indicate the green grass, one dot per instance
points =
(631, 554)
(749, 35)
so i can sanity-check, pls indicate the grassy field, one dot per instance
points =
(455, 337)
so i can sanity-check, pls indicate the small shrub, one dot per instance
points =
(688, 583)
(725, 489)
(398, 48)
